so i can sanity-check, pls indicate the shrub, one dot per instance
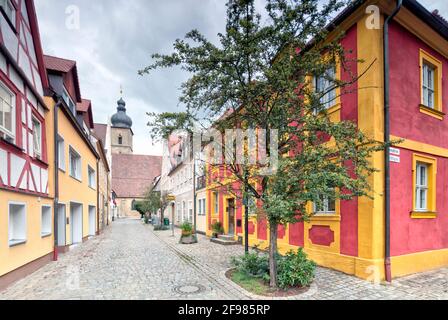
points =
(187, 229)
(217, 228)
(295, 270)
(253, 264)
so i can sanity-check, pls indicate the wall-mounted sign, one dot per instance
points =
(394, 151)
(394, 159)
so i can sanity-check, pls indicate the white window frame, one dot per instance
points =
(17, 237)
(61, 152)
(45, 221)
(429, 80)
(190, 211)
(78, 173)
(10, 11)
(4, 132)
(326, 206)
(37, 138)
(216, 202)
(421, 187)
(322, 84)
(91, 175)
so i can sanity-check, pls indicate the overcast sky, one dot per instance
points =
(114, 40)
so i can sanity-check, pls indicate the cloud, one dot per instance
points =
(116, 38)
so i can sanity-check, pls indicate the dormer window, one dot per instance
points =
(9, 10)
(68, 101)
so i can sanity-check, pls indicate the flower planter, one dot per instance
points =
(188, 239)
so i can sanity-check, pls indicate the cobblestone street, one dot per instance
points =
(130, 261)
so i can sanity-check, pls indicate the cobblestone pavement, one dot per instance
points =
(130, 261)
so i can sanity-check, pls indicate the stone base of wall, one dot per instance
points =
(20, 273)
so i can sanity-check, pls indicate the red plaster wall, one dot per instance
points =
(415, 235)
(296, 233)
(349, 112)
(407, 121)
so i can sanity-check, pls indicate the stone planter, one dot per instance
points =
(188, 239)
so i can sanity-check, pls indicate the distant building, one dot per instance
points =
(132, 175)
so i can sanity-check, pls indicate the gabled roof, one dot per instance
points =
(63, 66)
(133, 175)
(100, 131)
(85, 108)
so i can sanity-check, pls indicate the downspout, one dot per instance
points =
(387, 262)
(98, 196)
(56, 178)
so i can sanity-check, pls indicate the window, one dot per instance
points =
(328, 206)
(184, 211)
(61, 153)
(75, 164)
(200, 207)
(431, 85)
(9, 10)
(428, 85)
(324, 85)
(203, 208)
(92, 178)
(17, 224)
(421, 192)
(424, 181)
(46, 221)
(37, 138)
(68, 101)
(216, 201)
(120, 140)
(7, 114)
(190, 211)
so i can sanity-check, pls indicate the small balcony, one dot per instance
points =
(200, 183)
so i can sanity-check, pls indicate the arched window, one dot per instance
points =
(120, 140)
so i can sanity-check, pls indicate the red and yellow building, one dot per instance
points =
(351, 236)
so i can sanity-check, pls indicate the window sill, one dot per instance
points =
(326, 217)
(432, 112)
(15, 243)
(45, 235)
(41, 161)
(12, 145)
(80, 181)
(423, 215)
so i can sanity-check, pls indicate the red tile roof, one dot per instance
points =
(84, 105)
(133, 175)
(58, 64)
(100, 131)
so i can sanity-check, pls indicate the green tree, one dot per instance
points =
(262, 75)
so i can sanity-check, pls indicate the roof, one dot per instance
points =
(85, 107)
(434, 20)
(133, 175)
(100, 131)
(62, 65)
(58, 64)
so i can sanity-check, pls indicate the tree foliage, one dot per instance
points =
(262, 75)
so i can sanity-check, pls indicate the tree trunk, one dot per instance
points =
(273, 227)
(161, 217)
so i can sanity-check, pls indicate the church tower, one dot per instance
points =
(121, 131)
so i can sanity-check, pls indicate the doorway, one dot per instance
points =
(231, 216)
(92, 220)
(61, 222)
(76, 223)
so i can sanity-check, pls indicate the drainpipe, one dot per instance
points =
(387, 263)
(56, 179)
(98, 196)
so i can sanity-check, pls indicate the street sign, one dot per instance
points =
(395, 159)
(395, 151)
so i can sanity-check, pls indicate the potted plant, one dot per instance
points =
(188, 236)
(217, 229)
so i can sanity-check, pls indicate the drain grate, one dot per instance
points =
(189, 289)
